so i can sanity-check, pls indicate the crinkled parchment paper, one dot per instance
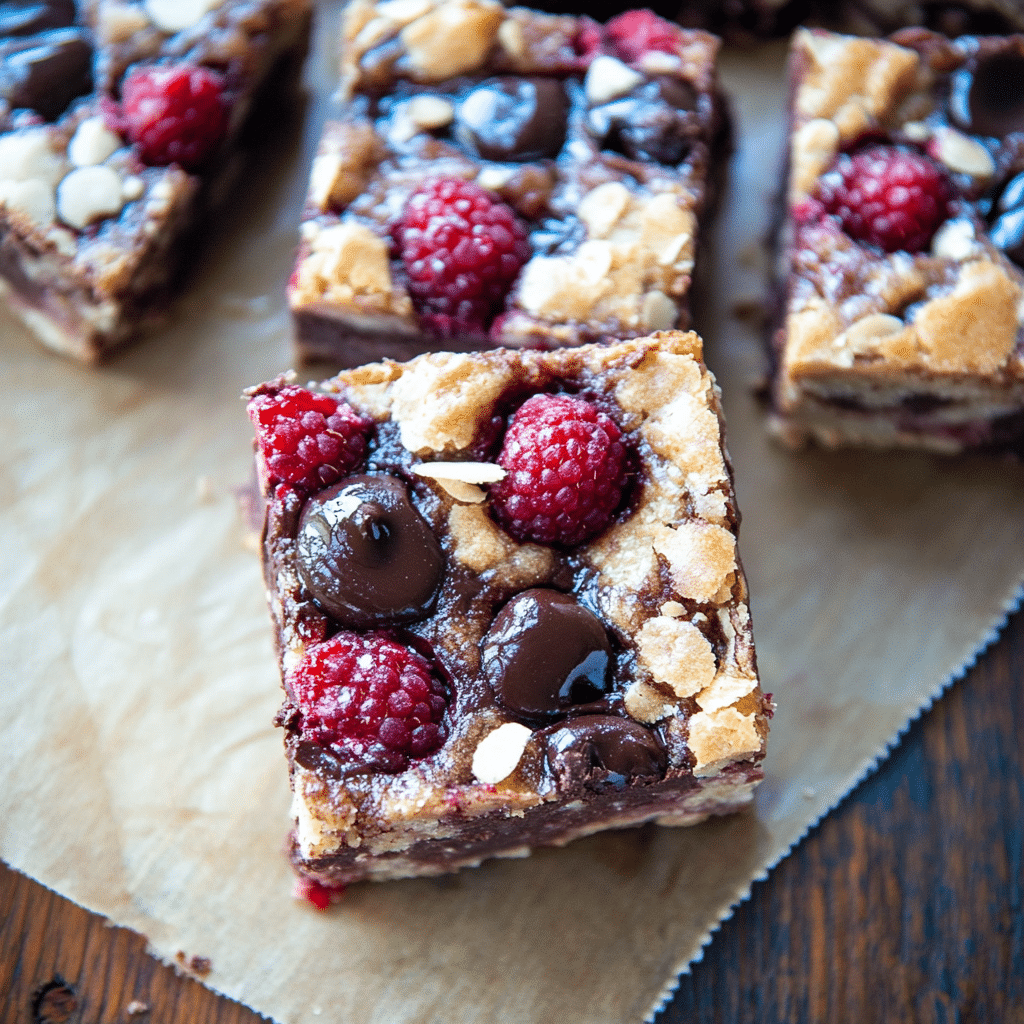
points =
(140, 775)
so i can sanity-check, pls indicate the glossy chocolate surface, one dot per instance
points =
(515, 119)
(989, 100)
(657, 121)
(366, 555)
(545, 653)
(45, 60)
(605, 749)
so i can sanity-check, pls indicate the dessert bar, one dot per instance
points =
(508, 603)
(899, 255)
(748, 21)
(119, 125)
(506, 177)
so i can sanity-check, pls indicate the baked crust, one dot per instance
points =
(665, 579)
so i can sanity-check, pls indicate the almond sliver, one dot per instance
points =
(466, 472)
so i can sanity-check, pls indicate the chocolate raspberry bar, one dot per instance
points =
(508, 604)
(506, 177)
(900, 253)
(119, 124)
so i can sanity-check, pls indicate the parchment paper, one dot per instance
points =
(140, 774)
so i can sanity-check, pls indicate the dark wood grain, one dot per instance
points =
(906, 904)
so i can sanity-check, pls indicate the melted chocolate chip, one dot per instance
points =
(45, 72)
(366, 555)
(603, 750)
(26, 19)
(516, 119)
(989, 100)
(656, 121)
(545, 653)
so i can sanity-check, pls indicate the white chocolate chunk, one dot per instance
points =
(176, 15)
(88, 194)
(955, 240)
(92, 143)
(494, 178)
(27, 154)
(132, 187)
(658, 311)
(608, 78)
(430, 111)
(33, 198)
(499, 752)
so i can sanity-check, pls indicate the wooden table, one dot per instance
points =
(906, 904)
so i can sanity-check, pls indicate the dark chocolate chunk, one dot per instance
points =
(989, 100)
(27, 18)
(545, 653)
(46, 72)
(603, 750)
(516, 119)
(656, 121)
(366, 555)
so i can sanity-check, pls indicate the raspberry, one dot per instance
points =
(305, 439)
(462, 249)
(320, 895)
(634, 33)
(372, 701)
(174, 113)
(885, 196)
(567, 470)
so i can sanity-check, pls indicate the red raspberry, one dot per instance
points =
(885, 196)
(372, 701)
(174, 113)
(462, 249)
(567, 470)
(306, 439)
(634, 33)
(320, 895)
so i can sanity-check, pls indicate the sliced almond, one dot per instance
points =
(465, 472)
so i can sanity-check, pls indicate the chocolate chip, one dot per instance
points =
(366, 555)
(656, 121)
(604, 750)
(26, 19)
(989, 100)
(545, 653)
(45, 72)
(516, 119)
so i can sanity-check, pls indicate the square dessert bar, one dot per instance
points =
(901, 246)
(119, 125)
(497, 175)
(508, 604)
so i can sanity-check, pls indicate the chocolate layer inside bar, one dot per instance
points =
(609, 157)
